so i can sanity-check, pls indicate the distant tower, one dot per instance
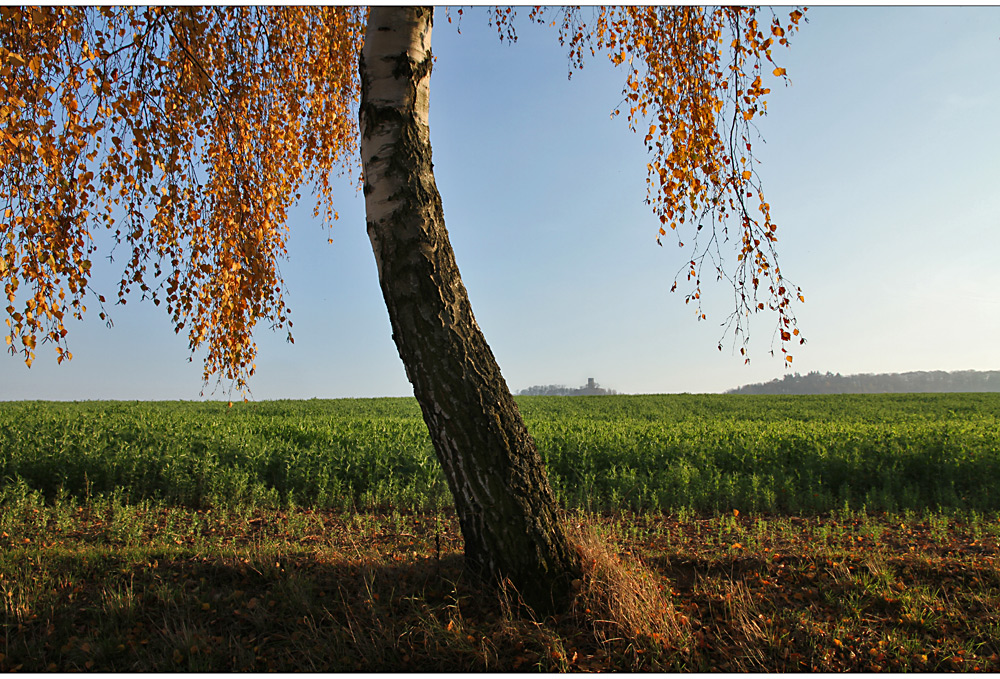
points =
(590, 383)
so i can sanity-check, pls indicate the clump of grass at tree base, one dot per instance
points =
(628, 606)
(619, 609)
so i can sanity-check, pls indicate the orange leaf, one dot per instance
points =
(779, 71)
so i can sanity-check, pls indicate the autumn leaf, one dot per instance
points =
(14, 59)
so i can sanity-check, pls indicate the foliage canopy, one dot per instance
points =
(188, 133)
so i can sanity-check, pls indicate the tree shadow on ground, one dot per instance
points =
(182, 611)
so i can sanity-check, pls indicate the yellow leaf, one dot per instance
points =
(779, 71)
(747, 174)
(788, 358)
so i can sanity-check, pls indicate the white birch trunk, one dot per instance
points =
(509, 517)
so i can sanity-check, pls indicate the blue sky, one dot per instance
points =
(881, 164)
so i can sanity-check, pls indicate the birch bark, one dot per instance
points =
(505, 505)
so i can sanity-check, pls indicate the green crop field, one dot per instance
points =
(644, 453)
(788, 533)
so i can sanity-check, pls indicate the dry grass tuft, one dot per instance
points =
(623, 600)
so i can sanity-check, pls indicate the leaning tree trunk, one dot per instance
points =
(505, 505)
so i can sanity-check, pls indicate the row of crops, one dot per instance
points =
(698, 452)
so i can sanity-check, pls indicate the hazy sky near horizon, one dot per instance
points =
(881, 165)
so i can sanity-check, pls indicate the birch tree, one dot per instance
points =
(189, 132)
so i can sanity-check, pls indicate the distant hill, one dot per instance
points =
(591, 388)
(887, 383)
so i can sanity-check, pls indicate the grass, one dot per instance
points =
(854, 533)
(644, 453)
(111, 587)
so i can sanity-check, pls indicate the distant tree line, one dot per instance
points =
(591, 388)
(886, 383)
